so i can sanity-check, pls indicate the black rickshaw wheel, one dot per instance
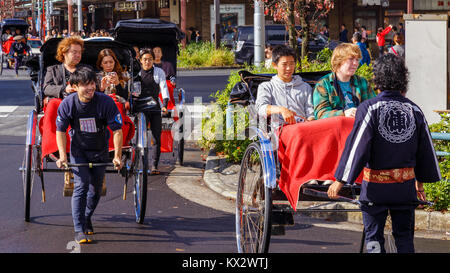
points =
(253, 204)
(27, 178)
(181, 151)
(140, 184)
(1, 67)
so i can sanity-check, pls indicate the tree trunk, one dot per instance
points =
(291, 29)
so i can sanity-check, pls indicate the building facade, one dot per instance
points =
(200, 15)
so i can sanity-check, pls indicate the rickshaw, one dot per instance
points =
(38, 159)
(148, 33)
(11, 24)
(265, 205)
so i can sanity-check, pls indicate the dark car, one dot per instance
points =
(275, 35)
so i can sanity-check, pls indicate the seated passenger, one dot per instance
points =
(113, 81)
(285, 94)
(170, 74)
(164, 65)
(56, 87)
(340, 92)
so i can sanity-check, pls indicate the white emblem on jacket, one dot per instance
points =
(396, 123)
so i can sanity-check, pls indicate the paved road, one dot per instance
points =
(184, 216)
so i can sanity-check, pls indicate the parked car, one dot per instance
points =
(275, 35)
(35, 45)
(228, 39)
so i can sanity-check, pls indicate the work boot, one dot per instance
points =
(68, 184)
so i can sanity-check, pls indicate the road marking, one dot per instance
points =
(5, 110)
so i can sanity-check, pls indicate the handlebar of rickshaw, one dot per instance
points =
(322, 194)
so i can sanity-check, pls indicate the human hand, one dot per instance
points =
(118, 164)
(164, 110)
(61, 163)
(70, 89)
(288, 115)
(351, 112)
(420, 192)
(333, 190)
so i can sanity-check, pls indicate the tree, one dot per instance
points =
(308, 13)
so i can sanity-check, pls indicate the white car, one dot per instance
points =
(35, 45)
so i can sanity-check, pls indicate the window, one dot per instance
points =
(163, 4)
(367, 18)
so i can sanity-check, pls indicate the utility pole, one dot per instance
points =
(217, 25)
(410, 6)
(183, 20)
(69, 16)
(80, 15)
(259, 33)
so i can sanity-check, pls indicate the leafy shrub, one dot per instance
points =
(439, 193)
(204, 54)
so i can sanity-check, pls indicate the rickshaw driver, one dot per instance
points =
(285, 94)
(88, 113)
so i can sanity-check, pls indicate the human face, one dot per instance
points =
(158, 53)
(73, 55)
(85, 91)
(147, 61)
(107, 64)
(285, 68)
(348, 68)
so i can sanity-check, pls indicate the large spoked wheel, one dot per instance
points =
(140, 184)
(253, 204)
(27, 178)
(140, 169)
(1, 67)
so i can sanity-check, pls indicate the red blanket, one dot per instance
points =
(47, 127)
(311, 150)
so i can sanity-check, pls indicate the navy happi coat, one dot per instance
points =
(390, 133)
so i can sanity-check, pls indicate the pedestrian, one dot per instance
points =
(381, 42)
(401, 29)
(164, 65)
(357, 39)
(399, 48)
(198, 38)
(364, 37)
(88, 113)
(153, 81)
(19, 49)
(343, 34)
(391, 144)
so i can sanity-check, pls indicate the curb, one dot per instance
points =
(218, 180)
(208, 68)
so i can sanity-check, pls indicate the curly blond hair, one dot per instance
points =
(342, 53)
(65, 44)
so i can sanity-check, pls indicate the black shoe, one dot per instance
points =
(81, 238)
(88, 229)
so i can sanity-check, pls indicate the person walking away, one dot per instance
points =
(343, 34)
(357, 39)
(399, 48)
(391, 144)
(88, 113)
(381, 42)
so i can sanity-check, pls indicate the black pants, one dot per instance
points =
(155, 120)
(374, 219)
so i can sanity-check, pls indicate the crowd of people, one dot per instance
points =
(55, 33)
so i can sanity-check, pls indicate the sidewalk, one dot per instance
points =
(222, 177)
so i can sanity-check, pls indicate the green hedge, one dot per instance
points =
(204, 54)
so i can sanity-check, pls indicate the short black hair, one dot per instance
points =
(357, 36)
(282, 51)
(146, 51)
(390, 73)
(83, 75)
